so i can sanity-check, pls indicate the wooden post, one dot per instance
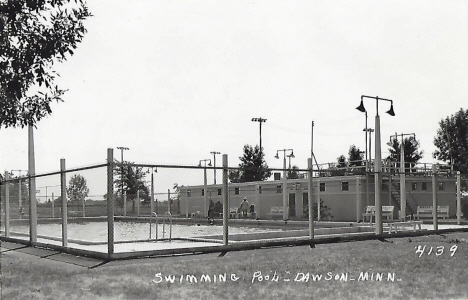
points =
(7, 204)
(32, 187)
(63, 193)
(459, 212)
(434, 197)
(110, 202)
(225, 201)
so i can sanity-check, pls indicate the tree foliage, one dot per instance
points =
(77, 188)
(411, 148)
(355, 157)
(451, 141)
(293, 173)
(252, 167)
(132, 179)
(34, 35)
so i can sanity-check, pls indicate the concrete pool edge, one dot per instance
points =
(237, 246)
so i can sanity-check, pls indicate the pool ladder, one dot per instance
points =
(151, 225)
(169, 217)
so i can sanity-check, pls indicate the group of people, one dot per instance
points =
(245, 208)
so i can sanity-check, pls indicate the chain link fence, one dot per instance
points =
(127, 207)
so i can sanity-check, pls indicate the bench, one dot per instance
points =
(234, 213)
(394, 226)
(369, 211)
(276, 212)
(196, 215)
(426, 212)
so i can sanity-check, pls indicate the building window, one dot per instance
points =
(424, 186)
(203, 192)
(236, 191)
(322, 186)
(189, 194)
(278, 188)
(414, 186)
(345, 186)
(220, 192)
(260, 189)
(441, 186)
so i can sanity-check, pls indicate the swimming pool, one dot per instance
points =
(133, 231)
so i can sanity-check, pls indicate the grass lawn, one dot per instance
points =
(354, 270)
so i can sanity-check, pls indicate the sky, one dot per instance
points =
(175, 80)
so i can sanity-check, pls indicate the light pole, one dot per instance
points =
(32, 173)
(368, 160)
(402, 169)
(378, 160)
(260, 120)
(214, 163)
(122, 168)
(205, 182)
(285, 190)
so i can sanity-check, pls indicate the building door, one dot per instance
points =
(292, 205)
(305, 204)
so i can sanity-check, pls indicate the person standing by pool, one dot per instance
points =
(244, 207)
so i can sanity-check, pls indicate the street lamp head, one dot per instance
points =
(390, 111)
(291, 155)
(209, 164)
(277, 156)
(361, 107)
(390, 144)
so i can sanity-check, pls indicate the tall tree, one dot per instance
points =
(355, 156)
(252, 167)
(451, 141)
(341, 162)
(132, 179)
(411, 148)
(77, 189)
(293, 173)
(34, 35)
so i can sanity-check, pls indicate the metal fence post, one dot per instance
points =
(169, 200)
(138, 203)
(63, 192)
(32, 187)
(110, 202)
(7, 204)
(53, 206)
(225, 200)
(459, 212)
(434, 197)
(125, 203)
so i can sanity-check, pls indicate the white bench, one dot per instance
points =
(369, 211)
(426, 212)
(196, 215)
(394, 226)
(276, 212)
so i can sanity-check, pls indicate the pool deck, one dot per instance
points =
(211, 244)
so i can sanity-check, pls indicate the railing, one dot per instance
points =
(169, 215)
(390, 167)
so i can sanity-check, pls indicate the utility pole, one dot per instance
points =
(260, 120)
(214, 163)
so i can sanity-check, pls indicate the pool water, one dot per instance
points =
(131, 231)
